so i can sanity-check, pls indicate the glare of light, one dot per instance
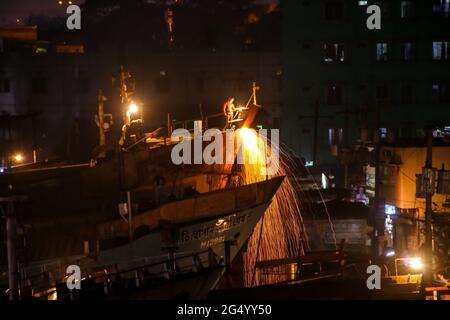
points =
(60, 3)
(282, 234)
(249, 137)
(53, 296)
(18, 157)
(390, 254)
(415, 263)
(389, 209)
(309, 163)
(69, 2)
(132, 108)
(324, 181)
(252, 150)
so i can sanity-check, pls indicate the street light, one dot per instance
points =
(415, 263)
(18, 157)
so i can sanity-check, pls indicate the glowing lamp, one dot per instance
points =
(132, 108)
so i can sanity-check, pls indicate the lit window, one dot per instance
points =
(441, 8)
(41, 50)
(382, 51)
(389, 209)
(362, 3)
(441, 50)
(383, 133)
(333, 52)
(407, 51)
(335, 136)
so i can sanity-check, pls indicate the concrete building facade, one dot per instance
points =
(345, 84)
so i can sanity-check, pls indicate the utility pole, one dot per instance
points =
(315, 118)
(379, 204)
(429, 178)
(100, 121)
(130, 216)
(11, 242)
(316, 122)
(11, 238)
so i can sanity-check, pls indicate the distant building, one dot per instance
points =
(345, 84)
(400, 190)
(59, 83)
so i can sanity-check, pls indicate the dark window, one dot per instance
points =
(407, 51)
(440, 92)
(334, 10)
(440, 8)
(441, 50)
(406, 9)
(382, 51)
(162, 85)
(381, 93)
(406, 94)
(333, 52)
(276, 122)
(39, 84)
(200, 85)
(334, 95)
(242, 84)
(5, 85)
(384, 6)
(83, 85)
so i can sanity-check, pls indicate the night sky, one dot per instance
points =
(10, 10)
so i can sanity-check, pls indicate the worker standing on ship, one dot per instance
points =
(229, 110)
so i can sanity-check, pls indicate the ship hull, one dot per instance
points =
(183, 239)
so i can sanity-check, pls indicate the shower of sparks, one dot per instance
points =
(283, 231)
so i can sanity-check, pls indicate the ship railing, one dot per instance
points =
(135, 275)
(189, 124)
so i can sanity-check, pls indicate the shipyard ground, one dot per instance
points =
(335, 288)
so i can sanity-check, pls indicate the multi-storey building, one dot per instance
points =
(59, 84)
(346, 84)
